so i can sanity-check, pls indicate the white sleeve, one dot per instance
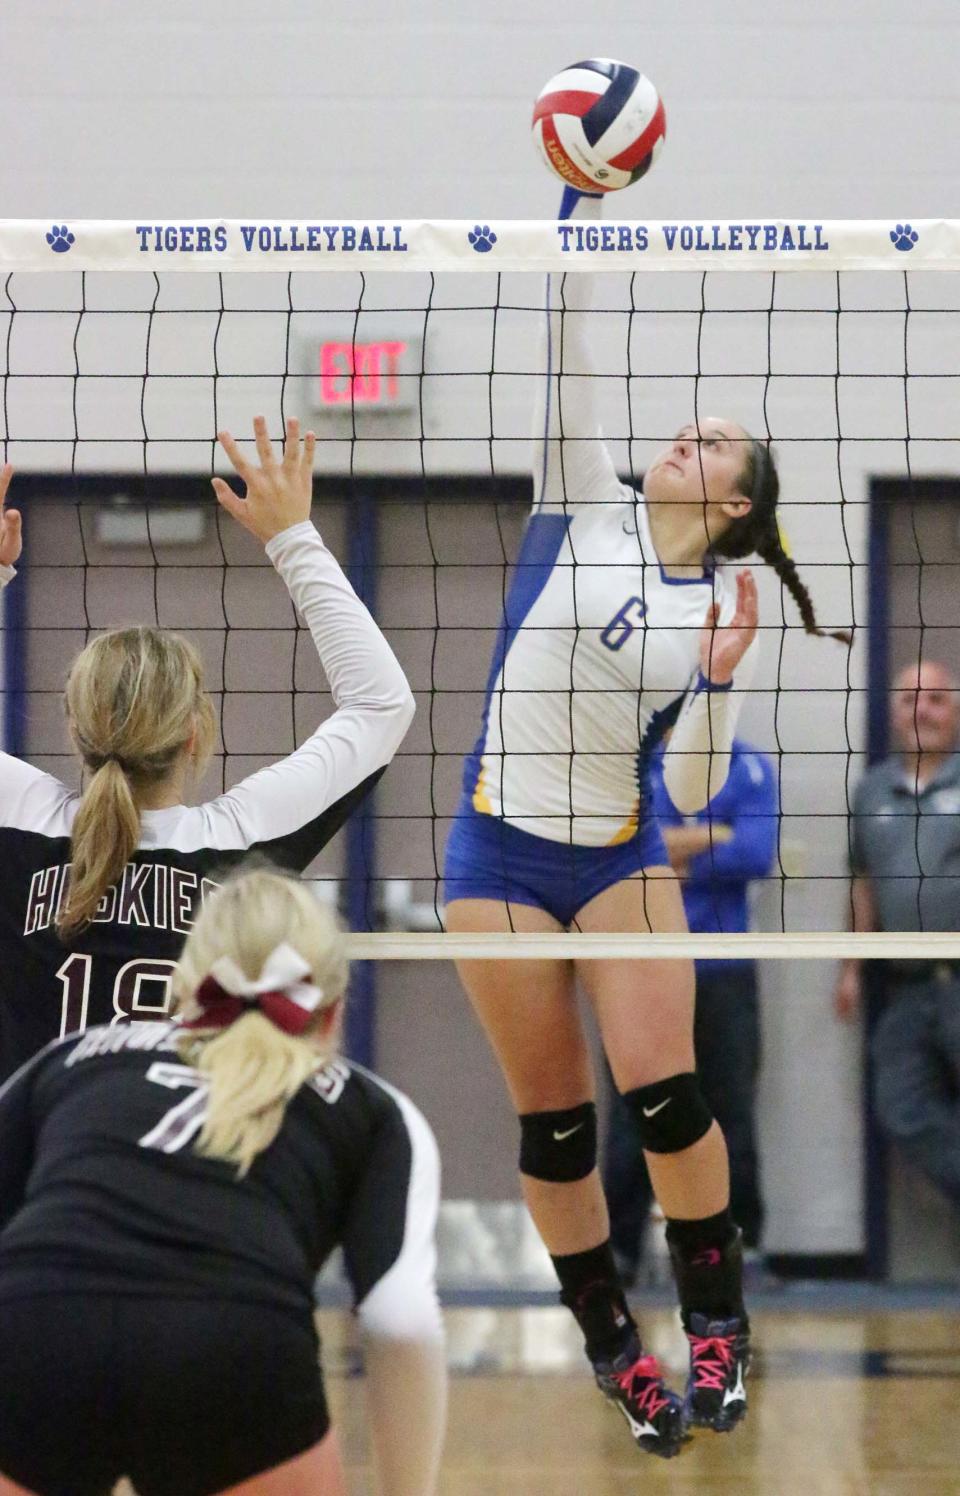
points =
(571, 463)
(299, 802)
(17, 779)
(696, 760)
(31, 799)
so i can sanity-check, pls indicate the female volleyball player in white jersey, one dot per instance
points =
(618, 624)
(168, 1192)
(100, 889)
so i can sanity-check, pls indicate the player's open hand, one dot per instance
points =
(11, 541)
(279, 493)
(723, 646)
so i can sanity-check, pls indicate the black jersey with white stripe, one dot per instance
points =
(102, 1191)
(118, 968)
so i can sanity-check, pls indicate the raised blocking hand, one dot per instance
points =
(11, 538)
(723, 646)
(279, 493)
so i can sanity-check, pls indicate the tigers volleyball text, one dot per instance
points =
(201, 238)
(723, 237)
(384, 238)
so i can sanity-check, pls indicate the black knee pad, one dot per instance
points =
(559, 1146)
(671, 1114)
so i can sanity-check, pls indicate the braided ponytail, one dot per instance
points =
(757, 533)
(769, 548)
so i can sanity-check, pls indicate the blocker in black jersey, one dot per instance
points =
(118, 969)
(107, 1214)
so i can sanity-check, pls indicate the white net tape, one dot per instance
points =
(371, 246)
(812, 945)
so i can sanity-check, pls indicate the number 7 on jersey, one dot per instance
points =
(183, 1121)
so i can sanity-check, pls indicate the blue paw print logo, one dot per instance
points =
(60, 238)
(904, 237)
(482, 238)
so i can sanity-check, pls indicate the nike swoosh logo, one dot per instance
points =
(639, 1430)
(651, 1111)
(558, 1137)
(736, 1392)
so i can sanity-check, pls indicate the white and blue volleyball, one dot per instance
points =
(599, 125)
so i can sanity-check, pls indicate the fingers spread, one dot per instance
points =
(309, 451)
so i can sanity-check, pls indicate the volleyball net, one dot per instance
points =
(411, 349)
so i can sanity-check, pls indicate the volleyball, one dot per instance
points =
(599, 125)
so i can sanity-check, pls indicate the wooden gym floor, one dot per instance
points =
(843, 1403)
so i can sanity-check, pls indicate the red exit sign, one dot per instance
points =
(368, 374)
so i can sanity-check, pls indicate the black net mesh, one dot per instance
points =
(420, 389)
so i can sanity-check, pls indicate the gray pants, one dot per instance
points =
(916, 1055)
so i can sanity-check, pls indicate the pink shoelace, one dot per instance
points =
(712, 1357)
(651, 1399)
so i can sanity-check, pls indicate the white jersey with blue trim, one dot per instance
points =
(598, 651)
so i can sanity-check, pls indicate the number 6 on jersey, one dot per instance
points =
(623, 623)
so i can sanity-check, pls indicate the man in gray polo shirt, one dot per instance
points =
(905, 859)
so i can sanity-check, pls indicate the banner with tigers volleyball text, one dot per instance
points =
(489, 245)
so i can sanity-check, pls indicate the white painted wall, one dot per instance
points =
(837, 109)
(845, 108)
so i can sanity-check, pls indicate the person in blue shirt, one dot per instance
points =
(716, 854)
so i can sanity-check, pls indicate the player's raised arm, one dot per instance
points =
(11, 539)
(571, 463)
(289, 801)
(16, 777)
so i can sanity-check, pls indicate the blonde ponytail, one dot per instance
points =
(105, 834)
(134, 700)
(254, 1068)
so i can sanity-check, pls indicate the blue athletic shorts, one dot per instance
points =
(487, 858)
